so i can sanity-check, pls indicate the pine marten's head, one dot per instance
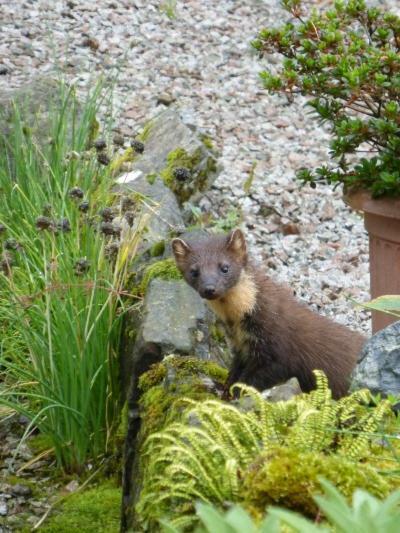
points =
(211, 265)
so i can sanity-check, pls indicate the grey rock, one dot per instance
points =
(36, 102)
(21, 490)
(180, 312)
(161, 209)
(3, 508)
(378, 367)
(283, 392)
(164, 134)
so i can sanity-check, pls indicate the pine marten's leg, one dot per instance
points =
(236, 369)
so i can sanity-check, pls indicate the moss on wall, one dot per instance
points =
(164, 269)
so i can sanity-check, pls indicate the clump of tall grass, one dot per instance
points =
(60, 293)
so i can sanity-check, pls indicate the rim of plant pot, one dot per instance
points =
(362, 200)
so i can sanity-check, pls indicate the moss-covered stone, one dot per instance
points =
(94, 510)
(161, 402)
(164, 269)
(199, 165)
(286, 477)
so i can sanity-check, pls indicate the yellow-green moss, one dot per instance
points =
(96, 510)
(176, 159)
(207, 141)
(157, 249)
(151, 178)
(289, 478)
(217, 333)
(164, 269)
(128, 156)
(40, 443)
(161, 403)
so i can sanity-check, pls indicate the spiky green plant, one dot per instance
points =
(60, 296)
(210, 451)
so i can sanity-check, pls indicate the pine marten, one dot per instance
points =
(273, 337)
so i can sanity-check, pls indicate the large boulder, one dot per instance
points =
(378, 367)
(170, 145)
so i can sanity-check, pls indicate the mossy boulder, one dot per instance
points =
(169, 144)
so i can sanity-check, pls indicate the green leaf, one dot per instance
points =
(213, 520)
(296, 521)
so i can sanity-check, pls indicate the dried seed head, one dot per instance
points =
(138, 146)
(100, 144)
(129, 217)
(111, 250)
(43, 223)
(11, 244)
(103, 159)
(84, 207)
(181, 173)
(126, 203)
(81, 266)
(106, 214)
(107, 228)
(76, 192)
(64, 225)
(118, 140)
(7, 261)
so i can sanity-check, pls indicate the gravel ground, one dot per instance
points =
(201, 61)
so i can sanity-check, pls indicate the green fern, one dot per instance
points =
(211, 449)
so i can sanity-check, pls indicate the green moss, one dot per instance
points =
(151, 178)
(40, 443)
(207, 141)
(287, 477)
(157, 249)
(96, 510)
(164, 269)
(128, 156)
(162, 403)
(179, 158)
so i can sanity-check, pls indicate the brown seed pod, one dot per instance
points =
(111, 250)
(138, 146)
(103, 159)
(129, 217)
(43, 223)
(64, 225)
(106, 214)
(100, 144)
(181, 173)
(81, 266)
(76, 193)
(84, 206)
(11, 244)
(126, 203)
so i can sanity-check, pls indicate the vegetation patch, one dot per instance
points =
(94, 510)
(165, 269)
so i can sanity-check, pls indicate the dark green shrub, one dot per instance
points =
(347, 60)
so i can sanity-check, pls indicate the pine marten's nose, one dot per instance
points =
(209, 291)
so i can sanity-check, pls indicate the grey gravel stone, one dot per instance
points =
(378, 368)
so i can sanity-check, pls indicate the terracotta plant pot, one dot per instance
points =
(382, 221)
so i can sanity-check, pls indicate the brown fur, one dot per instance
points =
(273, 336)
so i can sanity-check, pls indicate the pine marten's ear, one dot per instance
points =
(236, 243)
(181, 249)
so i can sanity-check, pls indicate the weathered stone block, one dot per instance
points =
(378, 367)
(170, 144)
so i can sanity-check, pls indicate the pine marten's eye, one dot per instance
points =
(224, 269)
(194, 273)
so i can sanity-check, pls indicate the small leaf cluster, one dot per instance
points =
(346, 60)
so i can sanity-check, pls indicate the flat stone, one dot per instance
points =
(180, 311)
(378, 367)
